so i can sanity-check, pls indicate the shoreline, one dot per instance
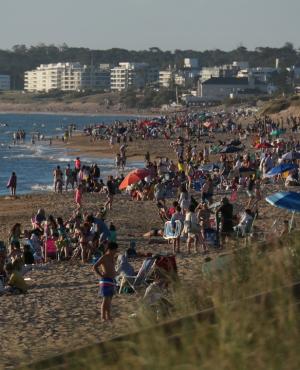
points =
(84, 114)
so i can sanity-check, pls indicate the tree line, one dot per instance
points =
(22, 58)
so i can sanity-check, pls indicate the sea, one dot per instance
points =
(34, 162)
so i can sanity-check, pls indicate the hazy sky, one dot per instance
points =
(140, 24)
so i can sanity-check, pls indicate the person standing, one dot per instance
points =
(69, 177)
(111, 191)
(12, 184)
(58, 179)
(105, 269)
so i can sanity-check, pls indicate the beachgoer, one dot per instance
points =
(78, 196)
(105, 268)
(12, 184)
(58, 179)
(226, 213)
(111, 191)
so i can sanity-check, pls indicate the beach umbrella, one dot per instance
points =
(133, 177)
(230, 149)
(263, 146)
(277, 132)
(283, 167)
(289, 200)
(291, 155)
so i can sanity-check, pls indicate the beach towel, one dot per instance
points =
(170, 232)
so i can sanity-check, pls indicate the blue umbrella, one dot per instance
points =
(288, 200)
(283, 167)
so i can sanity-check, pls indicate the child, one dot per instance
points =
(28, 258)
(16, 283)
(107, 279)
(113, 233)
(78, 196)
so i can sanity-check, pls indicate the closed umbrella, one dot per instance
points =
(283, 167)
(133, 177)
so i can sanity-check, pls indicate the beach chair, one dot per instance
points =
(140, 279)
(170, 232)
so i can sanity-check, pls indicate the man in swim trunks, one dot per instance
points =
(105, 268)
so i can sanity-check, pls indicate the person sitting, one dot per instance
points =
(16, 283)
(123, 267)
(155, 296)
(291, 180)
(245, 224)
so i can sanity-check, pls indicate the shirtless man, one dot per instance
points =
(105, 268)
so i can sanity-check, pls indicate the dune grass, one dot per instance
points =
(244, 331)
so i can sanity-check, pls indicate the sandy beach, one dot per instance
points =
(61, 310)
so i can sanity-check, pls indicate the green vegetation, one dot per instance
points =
(278, 105)
(22, 58)
(260, 332)
(148, 99)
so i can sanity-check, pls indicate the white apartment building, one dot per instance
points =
(190, 63)
(4, 82)
(132, 75)
(66, 77)
(165, 78)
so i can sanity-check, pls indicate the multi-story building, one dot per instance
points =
(132, 75)
(4, 82)
(262, 74)
(166, 78)
(66, 77)
(219, 88)
(224, 71)
(190, 63)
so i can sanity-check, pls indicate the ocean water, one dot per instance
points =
(34, 163)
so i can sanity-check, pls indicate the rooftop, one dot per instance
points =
(226, 81)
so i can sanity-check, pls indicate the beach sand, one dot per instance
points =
(61, 310)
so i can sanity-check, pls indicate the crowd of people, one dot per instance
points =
(216, 160)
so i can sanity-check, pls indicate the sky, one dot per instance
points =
(140, 24)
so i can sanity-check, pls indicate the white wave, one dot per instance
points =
(40, 187)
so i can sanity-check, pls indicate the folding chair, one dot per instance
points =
(141, 278)
(170, 232)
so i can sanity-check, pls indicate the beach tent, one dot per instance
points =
(133, 177)
(230, 149)
(291, 155)
(289, 200)
(283, 167)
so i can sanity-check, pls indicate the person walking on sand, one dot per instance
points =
(105, 268)
(12, 184)
(78, 196)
